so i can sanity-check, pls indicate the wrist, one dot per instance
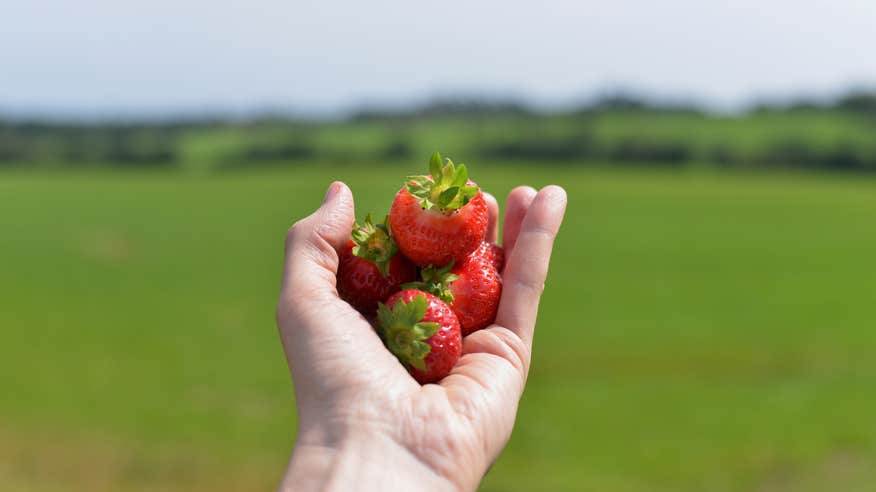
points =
(366, 462)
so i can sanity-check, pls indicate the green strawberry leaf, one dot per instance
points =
(436, 281)
(446, 190)
(448, 196)
(403, 331)
(374, 243)
(461, 176)
(435, 165)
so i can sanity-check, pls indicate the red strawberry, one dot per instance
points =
(441, 217)
(371, 268)
(472, 290)
(422, 332)
(494, 253)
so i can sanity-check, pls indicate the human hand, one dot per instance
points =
(363, 422)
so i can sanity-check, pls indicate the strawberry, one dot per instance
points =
(370, 267)
(422, 332)
(441, 217)
(472, 290)
(494, 253)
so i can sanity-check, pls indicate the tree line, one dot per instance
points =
(617, 128)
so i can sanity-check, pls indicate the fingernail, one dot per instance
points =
(331, 192)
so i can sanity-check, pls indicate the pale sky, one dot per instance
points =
(101, 56)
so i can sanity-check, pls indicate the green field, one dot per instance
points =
(699, 331)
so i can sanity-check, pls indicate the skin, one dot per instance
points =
(363, 422)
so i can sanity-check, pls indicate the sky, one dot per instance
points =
(111, 57)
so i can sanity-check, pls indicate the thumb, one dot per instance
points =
(312, 245)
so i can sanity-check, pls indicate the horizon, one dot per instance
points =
(532, 105)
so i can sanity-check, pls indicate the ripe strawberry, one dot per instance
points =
(371, 268)
(422, 332)
(472, 290)
(494, 253)
(441, 217)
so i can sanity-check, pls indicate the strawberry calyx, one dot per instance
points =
(446, 189)
(436, 281)
(405, 333)
(374, 242)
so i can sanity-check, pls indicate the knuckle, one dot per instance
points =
(514, 348)
(322, 254)
(530, 286)
(539, 232)
(294, 231)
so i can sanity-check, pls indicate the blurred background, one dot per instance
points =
(707, 324)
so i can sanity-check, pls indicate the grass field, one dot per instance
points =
(698, 331)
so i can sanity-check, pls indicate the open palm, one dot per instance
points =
(363, 422)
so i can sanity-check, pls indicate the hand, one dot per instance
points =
(363, 422)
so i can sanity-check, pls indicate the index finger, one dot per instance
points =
(527, 266)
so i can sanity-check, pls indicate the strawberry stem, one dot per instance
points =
(436, 281)
(404, 331)
(374, 242)
(446, 189)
